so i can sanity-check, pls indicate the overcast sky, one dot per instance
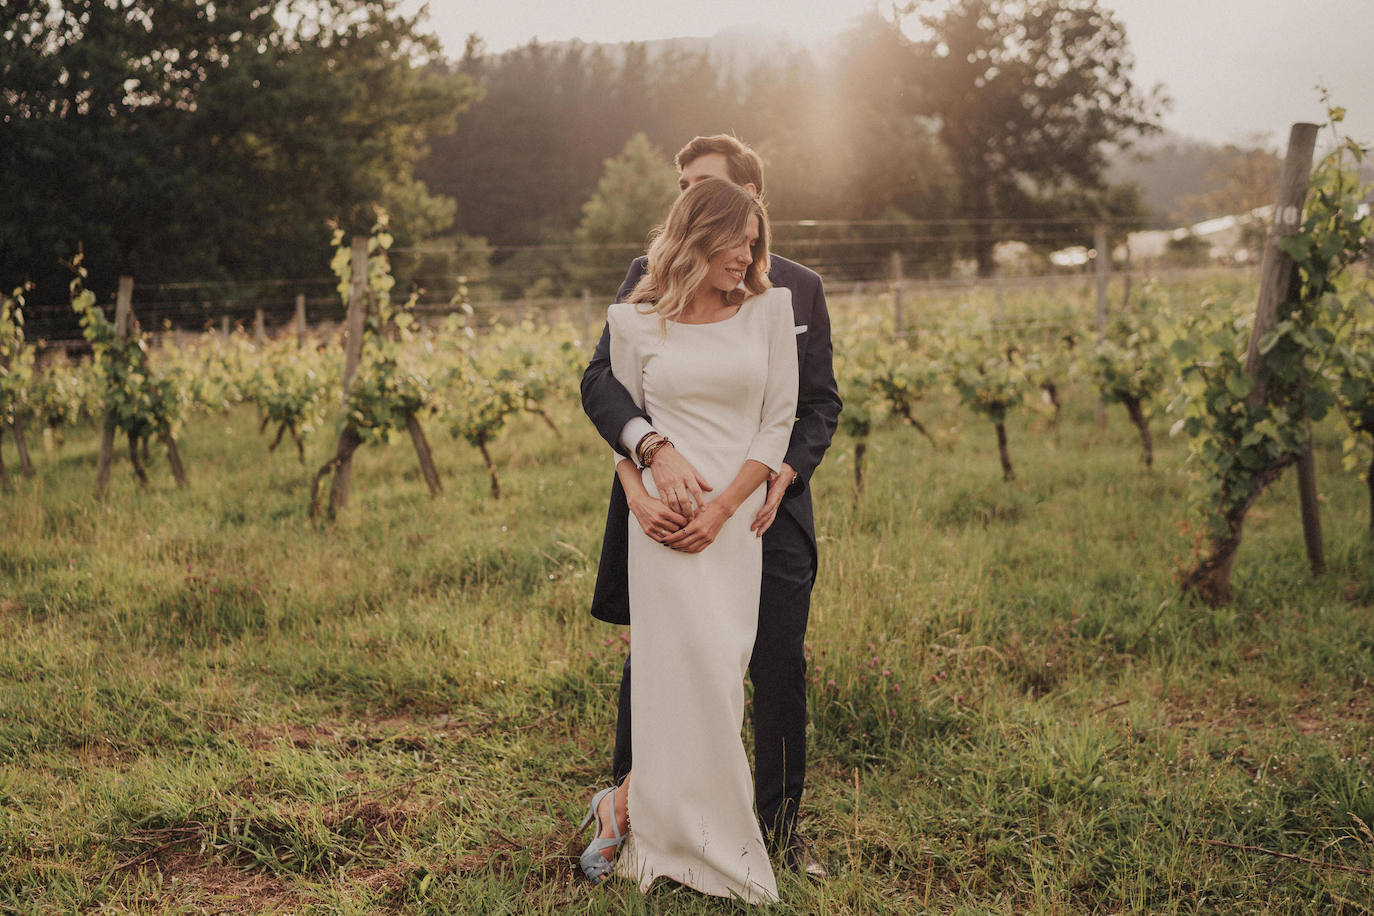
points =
(1234, 68)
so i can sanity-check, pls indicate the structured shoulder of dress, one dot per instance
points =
(626, 314)
(779, 299)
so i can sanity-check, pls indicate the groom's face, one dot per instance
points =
(709, 165)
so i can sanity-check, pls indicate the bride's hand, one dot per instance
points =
(702, 530)
(679, 485)
(656, 519)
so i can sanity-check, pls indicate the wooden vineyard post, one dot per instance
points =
(356, 320)
(1103, 264)
(1126, 277)
(300, 320)
(1212, 577)
(1276, 274)
(360, 303)
(1275, 285)
(424, 454)
(17, 429)
(354, 324)
(898, 294)
(259, 328)
(224, 327)
(1001, 294)
(1309, 508)
(422, 451)
(123, 304)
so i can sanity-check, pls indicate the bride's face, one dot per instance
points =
(726, 268)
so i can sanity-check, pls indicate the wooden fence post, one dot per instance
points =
(353, 353)
(898, 293)
(1103, 265)
(1212, 576)
(259, 328)
(123, 305)
(224, 327)
(357, 315)
(1126, 277)
(1001, 296)
(300, 319)
(1277, 267)
(1275, 280)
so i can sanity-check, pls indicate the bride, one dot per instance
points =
(706, 348)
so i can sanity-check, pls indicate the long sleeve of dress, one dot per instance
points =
(769, 445)
(626, 364)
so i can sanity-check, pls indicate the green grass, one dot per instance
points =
(207, 702)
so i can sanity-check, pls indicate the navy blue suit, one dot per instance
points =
(777, 668)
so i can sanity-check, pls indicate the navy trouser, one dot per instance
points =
(777, 670)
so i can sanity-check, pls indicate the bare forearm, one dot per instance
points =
(750, 477)
(630, 478)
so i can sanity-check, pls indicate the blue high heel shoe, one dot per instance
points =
(594, 865)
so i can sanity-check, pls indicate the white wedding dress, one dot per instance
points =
(724, 393)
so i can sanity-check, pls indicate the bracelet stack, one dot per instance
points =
(648, 447)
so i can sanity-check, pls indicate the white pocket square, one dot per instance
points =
(799, 329)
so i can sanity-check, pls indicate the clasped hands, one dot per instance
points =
(682, 517)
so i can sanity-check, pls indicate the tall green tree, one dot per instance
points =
(637, 187)
(177, 139)
(1030, 95)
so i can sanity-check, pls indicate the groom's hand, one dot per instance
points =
(777, 486)
(678, 483)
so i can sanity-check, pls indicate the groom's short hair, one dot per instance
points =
(743, 164)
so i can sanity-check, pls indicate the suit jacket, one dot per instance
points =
(610, 407)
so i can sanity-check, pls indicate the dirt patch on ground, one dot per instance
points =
(230, 889)
(1307, 714)
(405, 733)
(222, 887)
(552, 856)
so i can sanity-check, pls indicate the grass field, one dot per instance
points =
(209, 703)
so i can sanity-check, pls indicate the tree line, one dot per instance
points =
(1006, 113)
(177, 140)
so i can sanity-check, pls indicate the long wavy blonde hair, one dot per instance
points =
(707, 218)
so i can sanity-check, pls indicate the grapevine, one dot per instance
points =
(1129, 367)
(134, 402)
(478, 396)
(391, 388)
(16, 374)
(1247, 423)
(991, 382)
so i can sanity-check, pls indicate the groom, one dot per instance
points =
(778, 666)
